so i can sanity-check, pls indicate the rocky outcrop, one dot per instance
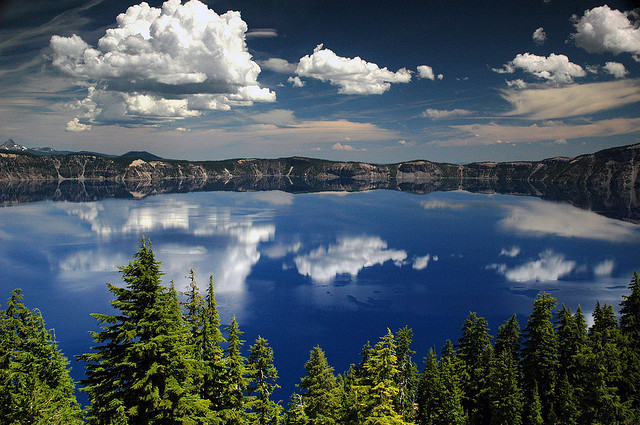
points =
(605, 181)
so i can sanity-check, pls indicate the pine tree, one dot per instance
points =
(600, 362)
(320, 386)
(407, 377)
(263, 375)
(504, 391)
(474, 348)
(630, 327)
(540, 362)
(440, 392)
(235, 403)
(534, 411)
(35, 386)
(296, 414)
(381, 368)
(142, 368)
(508, 339)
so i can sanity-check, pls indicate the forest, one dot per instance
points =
(163, 357)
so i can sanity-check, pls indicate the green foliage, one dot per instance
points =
(143, 368)
(475, 350)
(440, 391)
(263, 375)
(540, 361)
(320, 399)
(154, 363)
(35, 386)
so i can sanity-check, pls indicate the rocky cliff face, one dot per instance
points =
(605, 180)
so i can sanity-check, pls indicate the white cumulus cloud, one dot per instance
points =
(616, 69)
(352, 75)
(425, 71)
(163, 64)
(539, 36)
(348, 256)
(279, 65)
(603, 29)
(554, 68)
(76, 126)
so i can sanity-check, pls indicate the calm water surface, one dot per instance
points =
(328, 269)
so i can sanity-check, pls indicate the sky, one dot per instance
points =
(447, 81)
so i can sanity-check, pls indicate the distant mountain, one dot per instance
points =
(10, 145)
(142, 155)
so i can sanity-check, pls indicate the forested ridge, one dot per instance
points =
(163, 357)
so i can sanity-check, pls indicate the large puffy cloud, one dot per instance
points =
(603, 29)
(348, 256)
(352, 75)
(163, 63)
(555, 68)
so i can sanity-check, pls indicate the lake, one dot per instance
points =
(333, 269)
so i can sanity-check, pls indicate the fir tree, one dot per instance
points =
(407, 377)
(263, 375)
(142, 368)
(35, 386)
(600, 362)
(630, 327)
(474, 348)
(319, 385)
(504, 391)
(381, 368)
(508, 339)
(540, 362)
(235, 403)
(296, 414)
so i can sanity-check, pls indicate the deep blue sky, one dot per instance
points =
(351, 80)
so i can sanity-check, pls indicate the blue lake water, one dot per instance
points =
(328, 269)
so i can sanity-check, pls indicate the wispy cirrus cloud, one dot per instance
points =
(543, 103)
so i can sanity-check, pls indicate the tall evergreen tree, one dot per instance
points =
(235, 402)
(600, 362)
(540, 361)
(504, 391)
(142, 367)
(35, 386)
(320, 389)
(630, 327)
(474, 348)
(508, 339)
(381, 368)
(263, 375)
(440, 391)
(407, 377)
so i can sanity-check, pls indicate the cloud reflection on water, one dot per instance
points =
(348, 256)
(225, 245)
(537, 217)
